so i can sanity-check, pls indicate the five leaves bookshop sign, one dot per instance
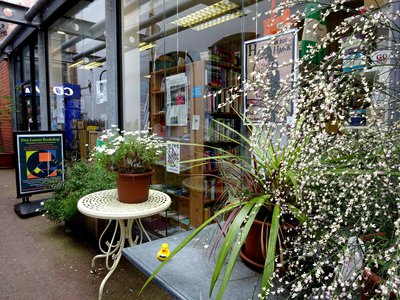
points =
(40, 158)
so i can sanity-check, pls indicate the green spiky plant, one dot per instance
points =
(340, 180)
(268, 181)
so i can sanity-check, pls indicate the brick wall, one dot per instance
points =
(6, 126)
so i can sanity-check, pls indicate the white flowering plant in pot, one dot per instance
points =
(132, 155)
(128, 152)
(336, 165)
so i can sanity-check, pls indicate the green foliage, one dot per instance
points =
(81, 178)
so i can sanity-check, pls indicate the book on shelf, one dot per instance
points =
(219, 131)
(213, 188)
(221, 75)
(212, 164)
(223, 100)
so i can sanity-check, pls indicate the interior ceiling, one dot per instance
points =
(89, 30)
(95, 31)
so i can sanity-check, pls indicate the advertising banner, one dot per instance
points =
(40, 157)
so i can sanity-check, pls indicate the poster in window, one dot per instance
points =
(270, 61)
(177, 100)
(173, 157)
(101, 91)
(40, 159)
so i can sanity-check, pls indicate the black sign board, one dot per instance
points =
(40, 158)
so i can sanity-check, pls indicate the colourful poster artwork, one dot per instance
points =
(40, 158)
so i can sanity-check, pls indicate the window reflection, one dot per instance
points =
(78, 78)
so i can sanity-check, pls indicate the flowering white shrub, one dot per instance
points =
(340, 181)
(346, 177)
(128, 152)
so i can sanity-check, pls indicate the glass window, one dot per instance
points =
(182, 59)
(28, 112)
(78, 77)
(26, 58)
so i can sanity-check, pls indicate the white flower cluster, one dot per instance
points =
(127, 151)
(347, 178)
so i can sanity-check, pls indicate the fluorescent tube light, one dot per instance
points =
(144, 46)
(76, 64)
(217, 21)
(206, 14)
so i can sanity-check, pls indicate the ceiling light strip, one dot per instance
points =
(207, 13)
(217, 21)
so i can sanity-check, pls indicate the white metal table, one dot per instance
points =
(105, 205)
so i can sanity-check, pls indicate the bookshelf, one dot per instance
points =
(208, 85)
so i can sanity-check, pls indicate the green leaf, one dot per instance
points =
(188, 239)
(302, 218)
(256, 204)
(269, 266)
(229, 240)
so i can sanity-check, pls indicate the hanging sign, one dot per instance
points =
(40, 158)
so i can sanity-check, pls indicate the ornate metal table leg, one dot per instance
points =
(129, 233)
(115, 255)
(111, 247)
(142, 230)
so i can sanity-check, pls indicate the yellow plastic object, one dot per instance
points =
(164, 252)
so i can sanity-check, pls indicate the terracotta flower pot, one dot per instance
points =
(371, 283)
(133, 188)
(254, 251)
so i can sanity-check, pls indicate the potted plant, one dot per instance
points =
(339, 182)
(81, 178)
(131, 155)
(6, 155)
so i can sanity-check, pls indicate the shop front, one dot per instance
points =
(167, 66)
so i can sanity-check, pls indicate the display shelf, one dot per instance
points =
(198, 78)
(172, 70)
(157, 92)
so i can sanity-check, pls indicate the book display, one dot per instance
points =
(185, 103)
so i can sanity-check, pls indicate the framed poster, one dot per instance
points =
(40, 157)
(270, 61)
(177, 100)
